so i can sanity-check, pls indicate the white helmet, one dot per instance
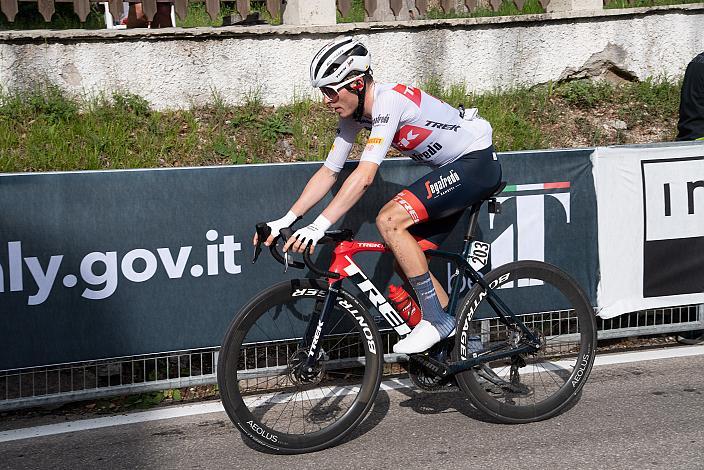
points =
(337, 59)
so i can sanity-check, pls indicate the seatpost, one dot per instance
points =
(473, 222)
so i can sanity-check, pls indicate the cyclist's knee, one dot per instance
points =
(391, 219)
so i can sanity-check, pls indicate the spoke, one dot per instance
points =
(293, 412)
(281, 414)
(311, 406)
(551, 375)
(340, 340)
(303, 414)
(541, 381)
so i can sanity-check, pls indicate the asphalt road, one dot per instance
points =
(645, 415)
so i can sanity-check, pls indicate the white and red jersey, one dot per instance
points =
(417, 124)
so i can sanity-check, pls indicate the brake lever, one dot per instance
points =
(263, 232)
(286, 233)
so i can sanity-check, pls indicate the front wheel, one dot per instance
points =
(273, 400)
(529, 386)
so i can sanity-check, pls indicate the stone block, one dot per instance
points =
(310, 12)
(572, 5)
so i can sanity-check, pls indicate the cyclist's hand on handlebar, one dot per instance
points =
(310, 234)
(276, 226)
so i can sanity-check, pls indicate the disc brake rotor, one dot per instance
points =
(297, 372)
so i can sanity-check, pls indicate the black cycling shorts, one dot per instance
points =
(436, 201)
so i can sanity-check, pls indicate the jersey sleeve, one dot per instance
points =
(389, 111)
(340, 150)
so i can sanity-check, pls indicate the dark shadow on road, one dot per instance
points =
(453, 399)
(381, 407)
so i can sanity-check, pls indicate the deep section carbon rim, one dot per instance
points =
(271, 397)
(529, 386)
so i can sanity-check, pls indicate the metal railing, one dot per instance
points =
(63, 383)
(36, 386)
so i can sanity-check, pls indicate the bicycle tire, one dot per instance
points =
(256, 357)
(539, 389)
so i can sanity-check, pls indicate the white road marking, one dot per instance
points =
(216, 407)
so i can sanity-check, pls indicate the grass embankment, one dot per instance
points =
(44, 130)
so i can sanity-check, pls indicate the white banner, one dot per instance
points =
(650, 203)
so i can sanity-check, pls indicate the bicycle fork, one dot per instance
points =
(316, 327)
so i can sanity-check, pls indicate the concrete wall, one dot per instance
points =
(175, 68)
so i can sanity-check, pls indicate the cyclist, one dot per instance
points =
(458, 149)
(691, 119)
(691, 127)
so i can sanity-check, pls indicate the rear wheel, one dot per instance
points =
(535, 386)
(267, 393)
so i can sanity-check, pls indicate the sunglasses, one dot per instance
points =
(331, 91)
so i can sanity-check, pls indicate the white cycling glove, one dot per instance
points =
(313, 232)
(283, 222)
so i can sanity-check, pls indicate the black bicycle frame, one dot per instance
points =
(463, 268)
(504, 313)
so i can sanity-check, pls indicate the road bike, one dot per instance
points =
(301, 363)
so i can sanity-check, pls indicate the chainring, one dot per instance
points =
(426, 380)
(422, 379)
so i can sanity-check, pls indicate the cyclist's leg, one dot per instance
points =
(393, 223)
(439, 288)
(442, 193)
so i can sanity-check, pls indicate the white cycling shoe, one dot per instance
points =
(420, 339)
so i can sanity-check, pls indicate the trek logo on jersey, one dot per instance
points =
(409, 137)
(380, 120)
(440, 125)
(442, 185)
(413, 94)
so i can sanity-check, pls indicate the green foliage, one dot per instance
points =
(173, 394)
(312, 127)
(131, 103)
(509, 112)
(43, 129)
(46, 102)
(198, 16)
(659, 94)
(223, 145)
(356, 14)
(274, 126)
(586, 93)
(453, 94)
(512, 115)
(507, 8)
(645, 3)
